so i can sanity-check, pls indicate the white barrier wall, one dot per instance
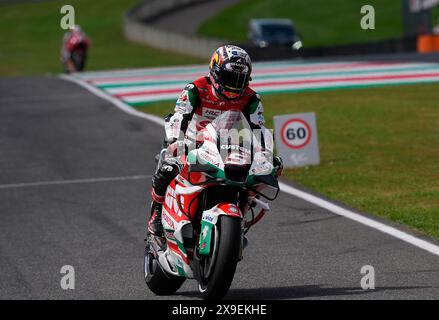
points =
(136, 29)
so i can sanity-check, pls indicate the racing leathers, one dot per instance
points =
(199, 100)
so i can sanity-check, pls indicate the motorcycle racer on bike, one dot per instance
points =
(225, 88)
(72, 40)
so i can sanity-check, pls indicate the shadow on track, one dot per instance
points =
(297, 292)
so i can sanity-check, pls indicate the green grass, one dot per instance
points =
(379, 149)
(30, 38)
(321, 23)
(435, 15)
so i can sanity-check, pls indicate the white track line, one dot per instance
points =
(118, 103)
(422, 244)
(360, 218)
(76, 181)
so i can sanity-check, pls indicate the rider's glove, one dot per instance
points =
(278, 165)
(164, 175)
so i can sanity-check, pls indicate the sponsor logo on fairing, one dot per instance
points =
(209, 217)
(169, 235)
(168, 220)
(235, 147)
(171, 202)
(209, 158)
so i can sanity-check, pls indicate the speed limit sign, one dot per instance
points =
(296, 139)
(296, 133)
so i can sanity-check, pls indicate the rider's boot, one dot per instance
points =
(160, 181)
(155, 221)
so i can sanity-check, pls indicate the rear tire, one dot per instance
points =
(155, 278)
(228, 251)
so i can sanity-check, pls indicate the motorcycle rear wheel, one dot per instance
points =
(215, 287)
(156, 280)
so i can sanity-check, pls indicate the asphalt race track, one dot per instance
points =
(74, 184)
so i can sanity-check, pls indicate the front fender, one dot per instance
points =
(210, 219)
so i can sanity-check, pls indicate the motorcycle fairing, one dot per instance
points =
(210, 219)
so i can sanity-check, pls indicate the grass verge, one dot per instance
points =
(30, 38)
(378, 146)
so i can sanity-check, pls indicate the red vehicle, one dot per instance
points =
(74, 50)
(210, 206)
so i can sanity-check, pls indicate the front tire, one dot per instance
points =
(78, 58)
(215, 287)
(155, 278)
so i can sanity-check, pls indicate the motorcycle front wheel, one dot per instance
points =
(219, 268)
(78, 58)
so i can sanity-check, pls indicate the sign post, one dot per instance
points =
(296, 139)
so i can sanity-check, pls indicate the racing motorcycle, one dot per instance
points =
(77, 45)
(210, 206)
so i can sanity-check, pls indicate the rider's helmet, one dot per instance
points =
(230, 69)
(77, 28)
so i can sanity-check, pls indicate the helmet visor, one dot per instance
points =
(234, 81)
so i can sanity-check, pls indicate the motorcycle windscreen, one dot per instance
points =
(195, 133)
(229, 134)
(232, 145)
